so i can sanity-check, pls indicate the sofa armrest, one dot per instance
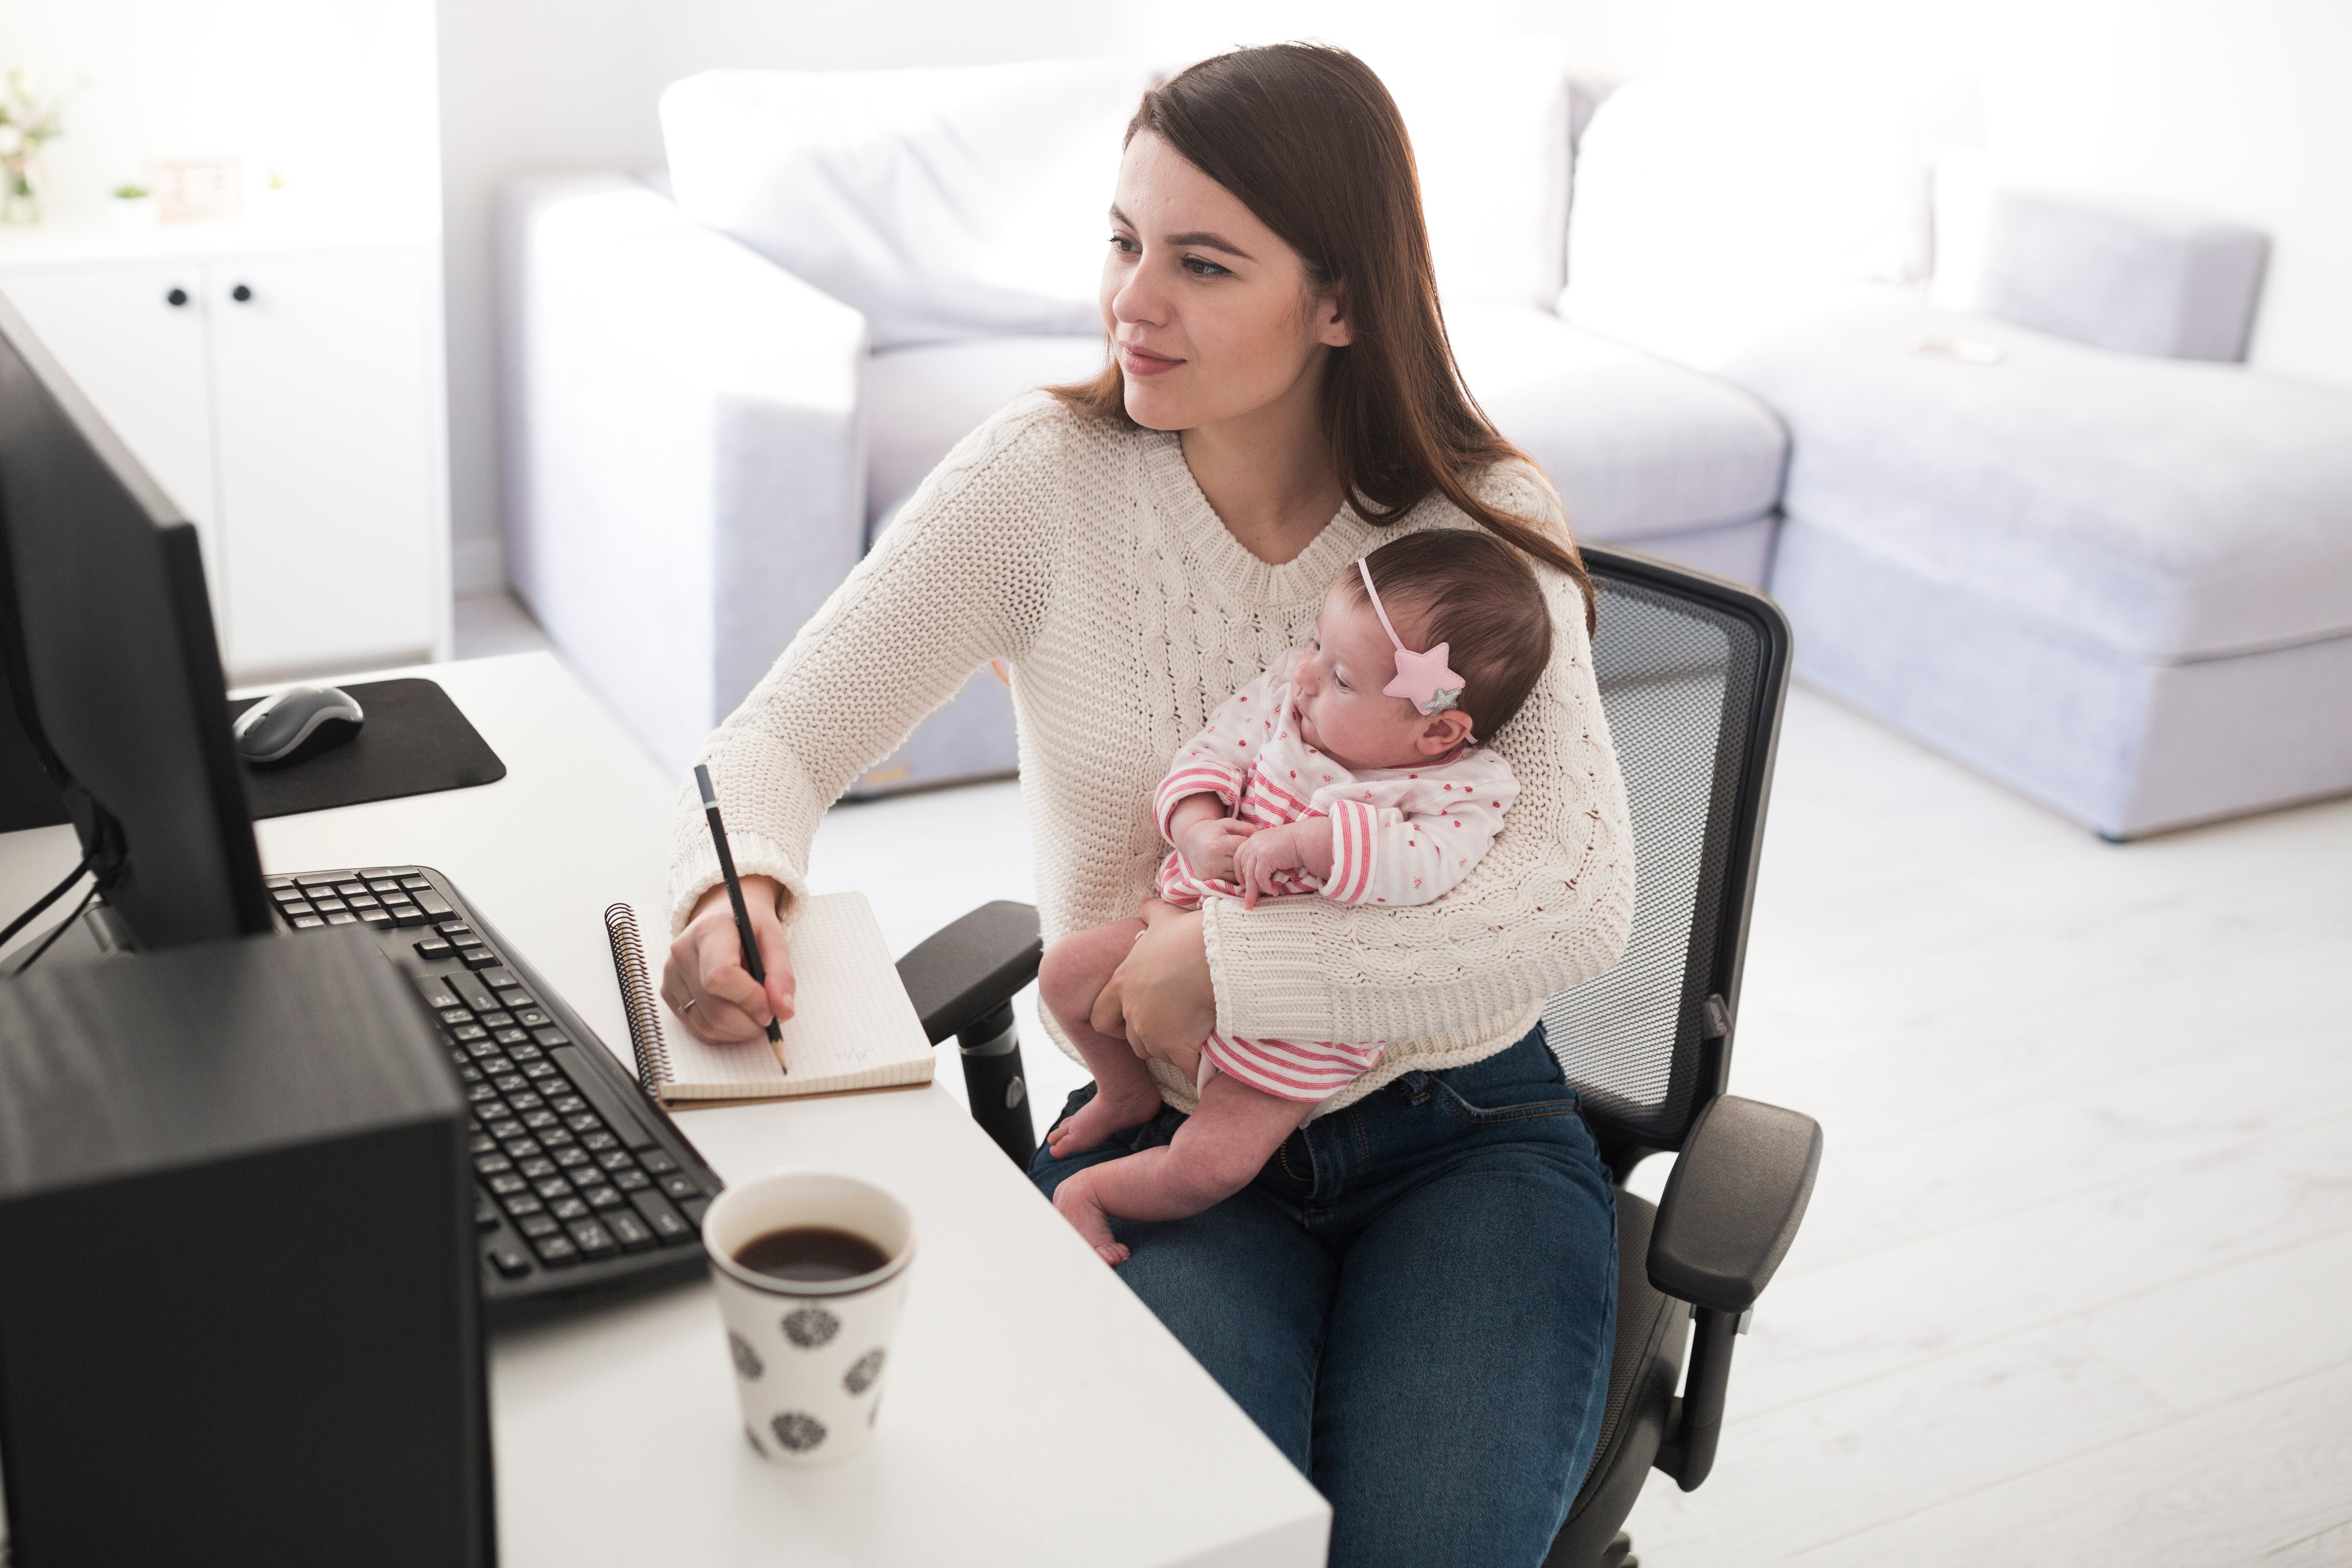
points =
(686, 461)
(1733, 1204)
(2116, 274)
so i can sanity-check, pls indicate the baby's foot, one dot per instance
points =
(1075, 1199)
(1112, 1110)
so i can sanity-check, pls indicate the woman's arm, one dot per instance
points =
(957, 580)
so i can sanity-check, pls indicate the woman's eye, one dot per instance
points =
(1200, 267)
(1120, 242)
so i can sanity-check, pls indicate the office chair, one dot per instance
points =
(1693, 671)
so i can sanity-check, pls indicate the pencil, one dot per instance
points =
(735, 896)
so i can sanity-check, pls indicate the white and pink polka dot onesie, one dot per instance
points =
(1398, 836)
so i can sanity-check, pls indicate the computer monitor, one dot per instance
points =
(106, 636)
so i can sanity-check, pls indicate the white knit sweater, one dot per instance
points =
(1084, 556)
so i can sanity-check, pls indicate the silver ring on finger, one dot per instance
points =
(689, 1005)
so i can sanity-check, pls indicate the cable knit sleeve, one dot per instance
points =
(1549, 907)
(956, 581)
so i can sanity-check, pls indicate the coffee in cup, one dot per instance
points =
(811, 1270)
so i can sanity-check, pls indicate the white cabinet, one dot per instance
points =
(288, 400)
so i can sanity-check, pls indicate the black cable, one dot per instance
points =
(34, 957)
(51, 897)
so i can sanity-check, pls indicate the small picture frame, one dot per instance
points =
(191, 188)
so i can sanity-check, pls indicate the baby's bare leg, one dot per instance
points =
(1073, 975)
(1214, 1154)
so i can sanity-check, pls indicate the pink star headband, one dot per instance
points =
(1423, 679)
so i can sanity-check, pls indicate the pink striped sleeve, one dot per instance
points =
(1192, 776)
(1301, 1070)
(1355, 828)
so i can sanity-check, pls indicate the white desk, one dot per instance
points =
(1036, 1413)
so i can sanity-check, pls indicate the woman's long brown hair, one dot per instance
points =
(1307, 139)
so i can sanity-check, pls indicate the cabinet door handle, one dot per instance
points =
(241, 293)
(176, 297)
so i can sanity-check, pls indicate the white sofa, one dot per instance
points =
(713, 400)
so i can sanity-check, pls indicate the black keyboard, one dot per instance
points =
(581, 1182)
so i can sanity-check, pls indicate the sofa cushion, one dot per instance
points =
(2166, 508)
(1636, 446)
(1712, 208)
(941, 203)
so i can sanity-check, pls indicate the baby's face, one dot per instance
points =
(1342, 710)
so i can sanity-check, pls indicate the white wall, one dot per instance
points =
(533, 87)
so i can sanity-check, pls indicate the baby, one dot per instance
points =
(1351, 769)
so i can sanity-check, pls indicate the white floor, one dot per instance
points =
(2076, 1284)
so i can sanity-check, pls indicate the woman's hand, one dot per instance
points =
(1161, 1000)
(704, 982)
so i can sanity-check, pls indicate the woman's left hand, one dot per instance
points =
(1161, 999)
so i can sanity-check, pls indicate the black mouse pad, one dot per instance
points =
(414, 743)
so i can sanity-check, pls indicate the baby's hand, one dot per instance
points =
(1209, 847)
(1266, 856)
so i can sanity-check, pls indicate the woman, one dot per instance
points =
(1415, 1300)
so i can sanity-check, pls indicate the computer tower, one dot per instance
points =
(238, 1299)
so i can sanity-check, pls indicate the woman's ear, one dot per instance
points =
(1331, 327)
(1442, 733)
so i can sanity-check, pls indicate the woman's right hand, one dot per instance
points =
(704, 982)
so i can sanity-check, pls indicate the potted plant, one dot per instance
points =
(28, 122)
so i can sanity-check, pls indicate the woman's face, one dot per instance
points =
(1210, 313)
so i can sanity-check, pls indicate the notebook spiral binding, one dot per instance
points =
(638, 999)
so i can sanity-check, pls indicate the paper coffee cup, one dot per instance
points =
(810, 1355)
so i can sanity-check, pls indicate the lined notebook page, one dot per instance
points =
(853, 1027)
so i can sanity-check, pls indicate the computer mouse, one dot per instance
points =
(296, 723)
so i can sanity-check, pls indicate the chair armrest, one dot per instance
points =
(2123, 275)
(686, 466)
(1732, 1203)
(961, 974)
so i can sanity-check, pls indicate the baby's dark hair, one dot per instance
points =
(1477, 594)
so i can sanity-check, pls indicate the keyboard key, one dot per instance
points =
(371, 872)
(416, 884)
(274, 883)
(307, 922)
(680, 1186)
(505, 1183)
(512, 1083)
(434, 904)
(618, 1112)
(284, 892)
(510, 1036)
(522, 1204)
(553, 1187)
(602, 1198)
(532, 1018)
(599, 1141)
(693, 1210)
(405, 914)
(616, 1159)
(632, 1181)
(538, 1121)
(377, 884)
(432, 948)
(502, 1131)
(551, 1037)
(568, 1209)
(539, 1069)
(514, 995)
(555, 1137)
(525, 1051)
(482, 1094)
(520, 1148)
(632, 1233)
(486, 1212)
(571, 1159)
(476, 995)
(536, 1166)
(476, 957)
(657, 1161)
(342, 918)
(468, 1033)
(666, 1221)
(350, 885)
(509, 1260)
(535, 1225)
(481, 1143)
(524, 1101)
(556, 1250)
(594, 1240)
(327, 906)
(363, 900)
(501, 1019)
(375, 918)
(501, 979)
(582, 1121)
(492, 1165)
(318, 878)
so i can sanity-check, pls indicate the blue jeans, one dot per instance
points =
(1416, 1299)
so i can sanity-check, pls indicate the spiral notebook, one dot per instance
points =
(852, 1028)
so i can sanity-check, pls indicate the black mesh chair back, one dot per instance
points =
(1692, 672)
